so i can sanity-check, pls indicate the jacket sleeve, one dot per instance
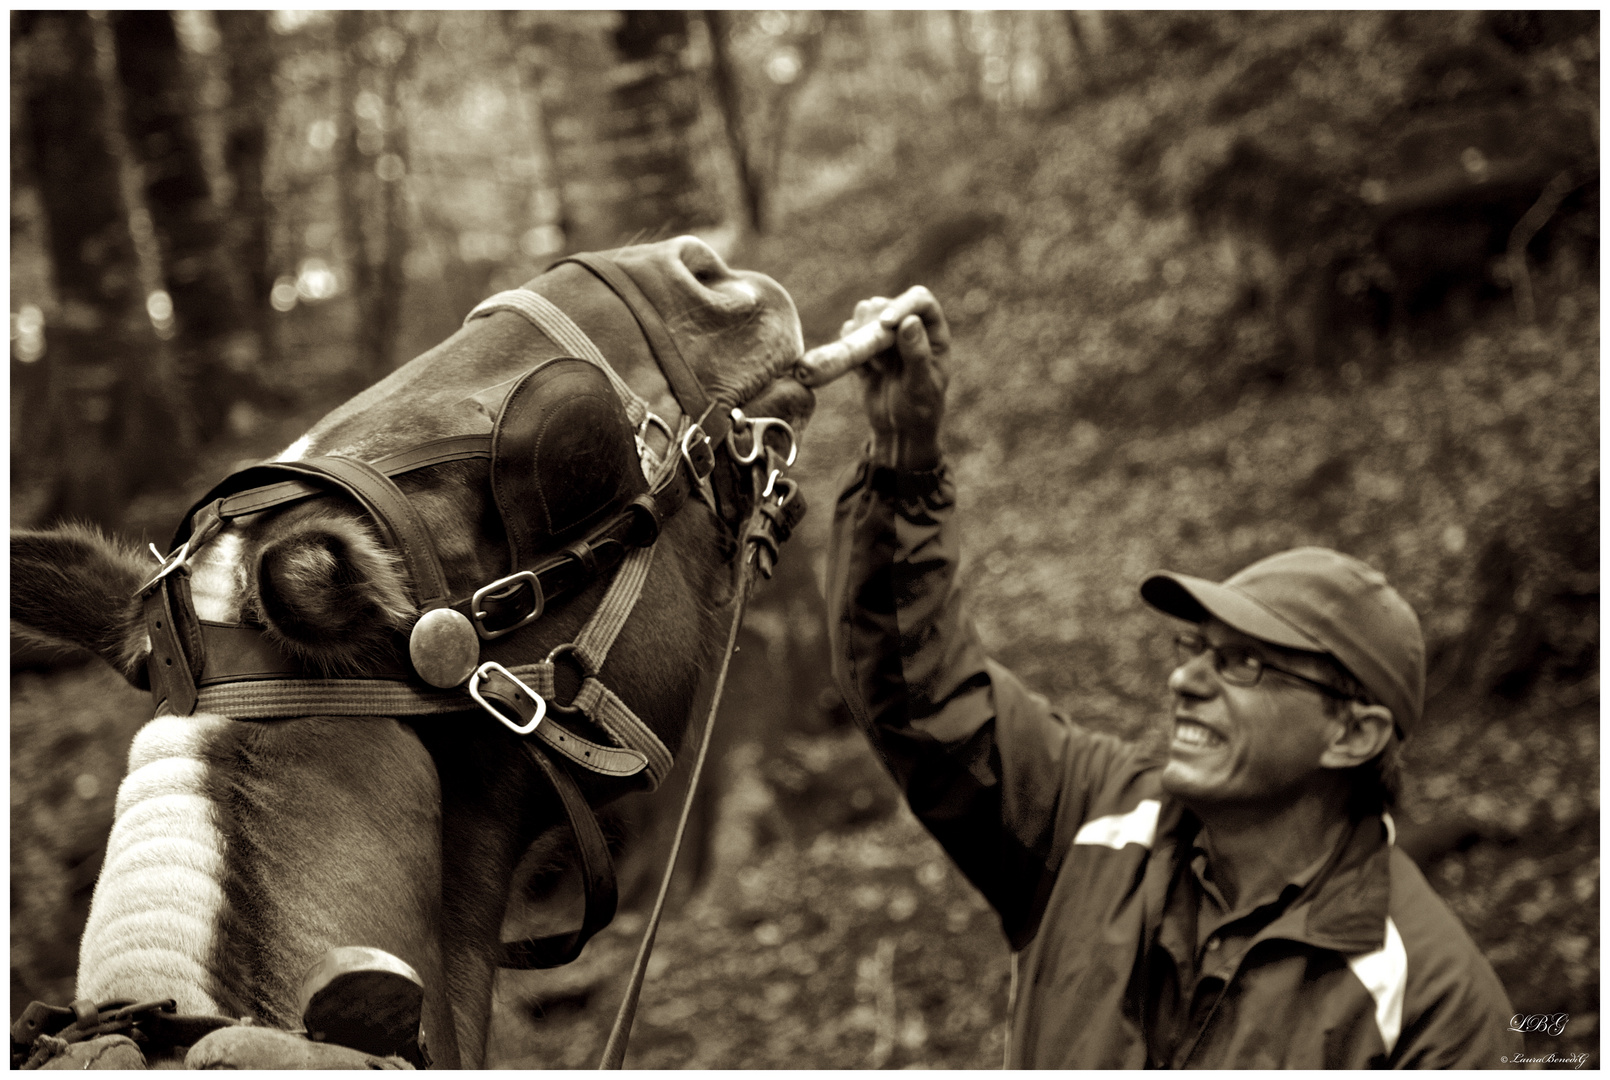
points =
(1456, 1014)
(1466, 1027)
(1001, 780)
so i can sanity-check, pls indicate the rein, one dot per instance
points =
(615, 1047)
(237, 671)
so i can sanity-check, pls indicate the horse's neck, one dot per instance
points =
(241, 852)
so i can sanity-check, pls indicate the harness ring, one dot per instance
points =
(568, 648)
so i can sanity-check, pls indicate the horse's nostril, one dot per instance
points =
(703, 262)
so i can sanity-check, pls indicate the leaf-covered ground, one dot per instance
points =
(847, 950)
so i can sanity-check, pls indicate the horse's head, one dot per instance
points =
(293, 808)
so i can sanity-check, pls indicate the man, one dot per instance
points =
(1239, 903)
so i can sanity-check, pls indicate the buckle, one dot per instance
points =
(508, 585)
(169, 564)
(654, 421)
(480, 676)
(786, 487)
(698, 453)
(757, 429)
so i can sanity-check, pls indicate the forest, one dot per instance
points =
(1221, 283)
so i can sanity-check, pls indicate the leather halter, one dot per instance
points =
(238, 671)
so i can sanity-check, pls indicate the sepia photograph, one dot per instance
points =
(818, 540)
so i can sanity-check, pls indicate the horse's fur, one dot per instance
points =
(80, 593)
(330, 592)
(370, 831)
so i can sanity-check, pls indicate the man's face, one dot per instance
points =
(1244, 745)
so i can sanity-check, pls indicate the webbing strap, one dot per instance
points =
(595, 700)
(684, 383)
(279, 699)
(541, 313)
(597, 637)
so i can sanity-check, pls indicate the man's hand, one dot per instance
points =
(905, 385)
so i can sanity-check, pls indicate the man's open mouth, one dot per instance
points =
(1197, 736)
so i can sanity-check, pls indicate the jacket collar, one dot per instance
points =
(1344, 906)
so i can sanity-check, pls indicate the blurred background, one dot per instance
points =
(1221, 284)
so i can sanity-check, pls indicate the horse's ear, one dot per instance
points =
(331, 593)
(75, 587)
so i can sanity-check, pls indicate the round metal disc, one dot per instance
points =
(444, 647)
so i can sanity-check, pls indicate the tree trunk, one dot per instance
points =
(651, 129)
(248, 52)
(750, 185)
(110, 400)
(373, 159)
(212, 333)
(782, 107)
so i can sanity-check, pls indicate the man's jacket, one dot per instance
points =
(1070, 836)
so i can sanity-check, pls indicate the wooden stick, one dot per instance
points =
(825, 363)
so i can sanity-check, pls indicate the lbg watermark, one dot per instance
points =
(1539, 1023)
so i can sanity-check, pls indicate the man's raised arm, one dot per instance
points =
(998, 778)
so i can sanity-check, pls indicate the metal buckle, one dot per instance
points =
(757, 429)
(169, 563)
(523, 577)
(653, 464)
(653, 420)
(475, 692)
(698, 453)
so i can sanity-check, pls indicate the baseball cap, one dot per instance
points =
(1318, 600)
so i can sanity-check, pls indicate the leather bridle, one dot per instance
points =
(239, 671)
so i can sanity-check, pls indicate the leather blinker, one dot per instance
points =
(563, 457)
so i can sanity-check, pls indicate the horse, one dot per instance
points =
(245, 849)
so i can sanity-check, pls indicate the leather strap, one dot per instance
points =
(597, 872)
(684, 383)
(239, 494)
(244, 652)
(509, 696)
(178, 649)
(394, 513)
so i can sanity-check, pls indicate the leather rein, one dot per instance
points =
(237, 671)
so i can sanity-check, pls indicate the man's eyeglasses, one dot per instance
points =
(1240, 665)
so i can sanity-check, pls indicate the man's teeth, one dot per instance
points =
(1194, 734)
